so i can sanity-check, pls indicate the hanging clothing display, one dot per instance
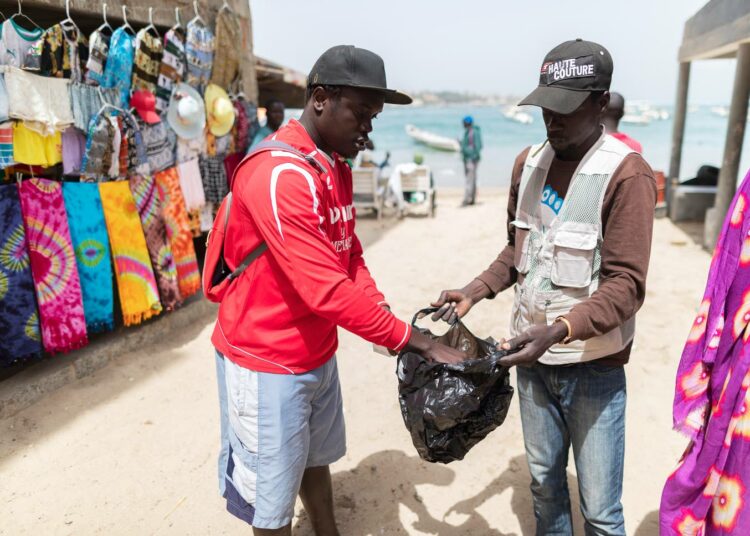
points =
(241, 128)
(190, 149)
(148, 53)
(146, 198)
(73, 146)
(30, 147)
(136, 284)
(98, 52)
(231, 163)
(137, 163)
(91, 245)
(119, 68)
(191, 184)
(4, 105)
(172, 67)
(229, 43)
(86, 101)
(97, 158)
(19, 321)
(41, 102)
(20, 47)
(178, 231)
(65, 53)
(214, 177)
(160, 143)
(6, 145)
(199, 53)
(53, 266)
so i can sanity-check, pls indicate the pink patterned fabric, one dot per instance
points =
(53, 266)
(709, 492)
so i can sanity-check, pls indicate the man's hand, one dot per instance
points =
(433, 351)
(532, 344)
(455, 304)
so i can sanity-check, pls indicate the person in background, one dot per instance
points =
(274, 119)
(471, 150)
(611, 121)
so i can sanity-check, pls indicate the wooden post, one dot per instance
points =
(678, 129)
(732, 148)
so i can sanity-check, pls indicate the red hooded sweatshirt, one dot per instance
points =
(281, 314)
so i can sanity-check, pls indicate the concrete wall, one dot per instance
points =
(88, 16)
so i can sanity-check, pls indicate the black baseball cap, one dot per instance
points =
(570, 73)
(346, 65)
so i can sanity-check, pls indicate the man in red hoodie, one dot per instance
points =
(276, 333)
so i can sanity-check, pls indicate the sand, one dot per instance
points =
(131, 450)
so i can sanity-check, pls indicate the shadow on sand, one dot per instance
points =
(370, 499)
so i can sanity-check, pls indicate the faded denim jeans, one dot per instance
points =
(582, 406)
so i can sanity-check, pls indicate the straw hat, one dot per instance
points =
(186, 113)
(219, 110)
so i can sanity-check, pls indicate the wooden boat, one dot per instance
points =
(441, 143)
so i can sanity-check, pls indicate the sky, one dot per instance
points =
(493, 47)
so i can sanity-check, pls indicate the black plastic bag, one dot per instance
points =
(450, 408)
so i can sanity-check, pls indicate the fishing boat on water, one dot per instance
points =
(430, 139)
(516, 114)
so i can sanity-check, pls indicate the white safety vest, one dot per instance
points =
(558, 268)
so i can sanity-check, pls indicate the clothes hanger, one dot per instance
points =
(68, 22)
(178, 23)
(125, 24)
(3, 16)
(106, 104)
(21, 14)
(105, 25)
(151, 23)
(225, 6)
(197, 17)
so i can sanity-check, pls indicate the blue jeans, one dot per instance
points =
(582, 406)
(223, 422)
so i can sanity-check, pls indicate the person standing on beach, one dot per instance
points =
(580, 217)
(276, 332)
(611, 121)
(471, 151)
(274, 118)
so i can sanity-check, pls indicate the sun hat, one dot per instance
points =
(347, 65)
(570, 73)
(144, 103)
(186, 113)
(219, 110)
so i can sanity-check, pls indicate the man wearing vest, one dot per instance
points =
(282, 421)
(580, 216)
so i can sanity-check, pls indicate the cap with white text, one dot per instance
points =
(570, 73)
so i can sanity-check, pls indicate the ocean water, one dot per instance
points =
(504, 139)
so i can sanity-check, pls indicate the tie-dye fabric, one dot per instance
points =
(19, 322)
(53, 266)
(91, 245)
(709, 492)
(136, 285)
(149, 208)
(178, 231)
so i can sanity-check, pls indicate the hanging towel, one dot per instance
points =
(191, 185)
(178, 231)
(136, 284)
(146, 198)
(53, 266)
(19, 322)
(83, 205)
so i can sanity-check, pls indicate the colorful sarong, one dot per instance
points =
(709, 492)
(178, 231)
(19, 321)
(136, 285)
(149, 208)
(91, 245)
(53, 266)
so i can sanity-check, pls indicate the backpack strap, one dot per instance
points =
(265, 146)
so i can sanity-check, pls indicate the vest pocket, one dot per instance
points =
(573, 257)
(522, 246)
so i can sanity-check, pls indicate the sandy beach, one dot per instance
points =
(132, 449)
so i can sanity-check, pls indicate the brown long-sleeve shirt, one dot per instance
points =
(627, 218)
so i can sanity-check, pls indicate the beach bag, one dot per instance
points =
(450, 408)
(217, 275)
